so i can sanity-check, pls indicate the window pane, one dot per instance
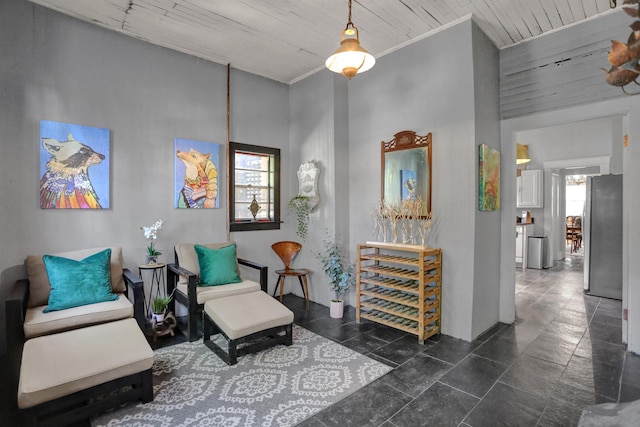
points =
(252, 161)
(255, 172)
(246, 177)
(244, 197)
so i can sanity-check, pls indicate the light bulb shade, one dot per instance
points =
(522, 154)
(350, 59)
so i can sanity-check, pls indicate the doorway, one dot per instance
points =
(575, 198)
(554, 160)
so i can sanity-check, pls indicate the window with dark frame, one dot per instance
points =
(254, 173)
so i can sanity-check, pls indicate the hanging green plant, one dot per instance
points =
(300, 204)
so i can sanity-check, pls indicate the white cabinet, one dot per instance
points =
(523, 231)
(530, 189)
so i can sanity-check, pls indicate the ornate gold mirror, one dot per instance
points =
(406, 173)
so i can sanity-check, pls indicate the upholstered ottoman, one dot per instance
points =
(62, 374)
(255, 319)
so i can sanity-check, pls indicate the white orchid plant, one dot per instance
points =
(151, 234)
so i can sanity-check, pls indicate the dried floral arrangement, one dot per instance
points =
(402, 222)
(625, 57)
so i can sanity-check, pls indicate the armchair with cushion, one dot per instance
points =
(27, 304)
(220, 277)
(72, 307)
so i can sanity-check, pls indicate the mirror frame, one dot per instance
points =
(408, 140)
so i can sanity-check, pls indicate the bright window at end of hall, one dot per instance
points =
(255, 187)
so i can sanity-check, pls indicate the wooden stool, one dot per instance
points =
(287, 251)
(245, 318)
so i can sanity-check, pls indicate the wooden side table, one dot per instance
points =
(157, 279)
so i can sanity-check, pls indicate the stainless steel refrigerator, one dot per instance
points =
(602, 236)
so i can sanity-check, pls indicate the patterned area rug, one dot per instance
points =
(280, 386)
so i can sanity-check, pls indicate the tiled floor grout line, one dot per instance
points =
(457, 389)
(388, 420)
(560, 302)
(624, 359)
(438, 380)
(464, 420)
(480, 399)
(565, 367)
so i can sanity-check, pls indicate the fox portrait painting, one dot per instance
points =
(196, 177)
(67, 152)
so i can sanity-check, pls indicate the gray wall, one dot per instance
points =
(486, 265)
(587, 138)
(57, 68)
(65, 70)
(430, 86)
(318, 132)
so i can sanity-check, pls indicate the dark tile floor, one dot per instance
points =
(562, 353)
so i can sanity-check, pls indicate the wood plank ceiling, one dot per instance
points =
(286, 40)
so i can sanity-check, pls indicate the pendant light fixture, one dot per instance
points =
(522, 154)
(350, 59)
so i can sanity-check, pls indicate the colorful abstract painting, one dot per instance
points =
(489, 179)
(74, 166)
(196, 174)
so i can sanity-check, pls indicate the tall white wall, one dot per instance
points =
(318, 132)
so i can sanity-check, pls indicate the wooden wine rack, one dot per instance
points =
(400, 286)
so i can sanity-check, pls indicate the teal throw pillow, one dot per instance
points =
(217, 266)
(75, 283)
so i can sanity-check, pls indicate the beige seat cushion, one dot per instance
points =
(37, 323)
(245, 314)
(206, 293)
(188, 259)
(39, 281)
(61, 364)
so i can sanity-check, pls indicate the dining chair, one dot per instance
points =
(577, 233)
(287, 251)
(569, 231)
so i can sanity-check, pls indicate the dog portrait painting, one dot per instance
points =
(74, 166)
(196, 174)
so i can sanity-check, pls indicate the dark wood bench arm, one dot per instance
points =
(135, 283)
(174, 271)
(190, 300)
(15, 309)
(264, 272)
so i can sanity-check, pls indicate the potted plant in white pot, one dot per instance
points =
(159, 308)
(339, 271)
